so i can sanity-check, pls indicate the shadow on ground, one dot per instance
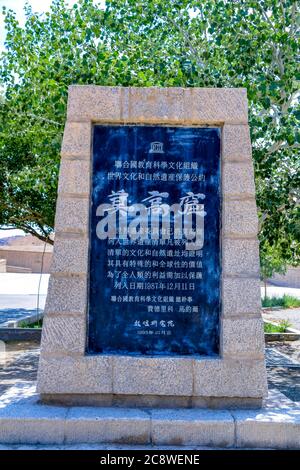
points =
(18, 364)
(21, 362)
(11, 314)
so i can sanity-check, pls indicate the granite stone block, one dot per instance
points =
(77, 374)
(118, 425)
(192, 427)
(241, 296)
(63, 334)
(230, 378)
(153, 376)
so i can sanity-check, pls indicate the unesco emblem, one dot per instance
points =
(156, 147)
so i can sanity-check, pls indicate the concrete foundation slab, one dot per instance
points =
(24, 421)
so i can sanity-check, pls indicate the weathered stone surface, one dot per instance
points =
(70, 255)
(63, 334)
(152, 376)
(273, 428)
(238, 179)
(192, 427)
(242, 337)
(157, 105)
(32, 424)
(152, 105)
(228, 403)
(240, 257)
(72, 214)
(241, 296)
(216, 105)
(67, 295)
(77, 139)
(230, 378)
(240, 217)
(74, 176)
(119, 425)
(64, 369)
(66, 374)
(236, 143)
(94, 103)
(27, 423)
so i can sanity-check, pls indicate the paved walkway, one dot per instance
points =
(292, 315)
(18, 364)
(283, 367)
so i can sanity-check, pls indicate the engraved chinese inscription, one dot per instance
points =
(154, 286)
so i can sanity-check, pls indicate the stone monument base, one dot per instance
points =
(151, 401)
(24, 420)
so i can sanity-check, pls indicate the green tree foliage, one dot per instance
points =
(252, 44)
(271, 262)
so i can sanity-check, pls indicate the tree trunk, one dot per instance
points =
(265, 286)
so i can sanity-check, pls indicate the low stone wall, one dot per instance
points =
(290, 279)
(20, 334)
(31, 260)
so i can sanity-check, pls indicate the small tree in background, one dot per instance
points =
(270, 263)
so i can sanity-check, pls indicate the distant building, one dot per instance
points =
(25, 254)
(290, 279)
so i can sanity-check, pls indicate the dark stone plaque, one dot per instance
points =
(154, 286)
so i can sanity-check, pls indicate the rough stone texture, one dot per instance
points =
(152, 376)
(76, 374)
(70, 255)
(276, 429)
(72, 214)
(148, 402)
(242, 337)
(241, 296)
(225, 378)
(216, 105)
(94, 103)
(27, 423)
(157, 105)
(63, 334)
(67, 295)
(32, 424)
(228, 403)
(238, 179)
(111, 425)
(239, 217)
(74, 176)
(23, 420)
(236, 143)
(240, 257)
(188, 380)
(191, 427)
(147, 105)
(77, 139)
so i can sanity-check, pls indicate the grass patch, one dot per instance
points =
(287, 301)
(280, 328)
(26, 324)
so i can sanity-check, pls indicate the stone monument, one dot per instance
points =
(154, 294)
